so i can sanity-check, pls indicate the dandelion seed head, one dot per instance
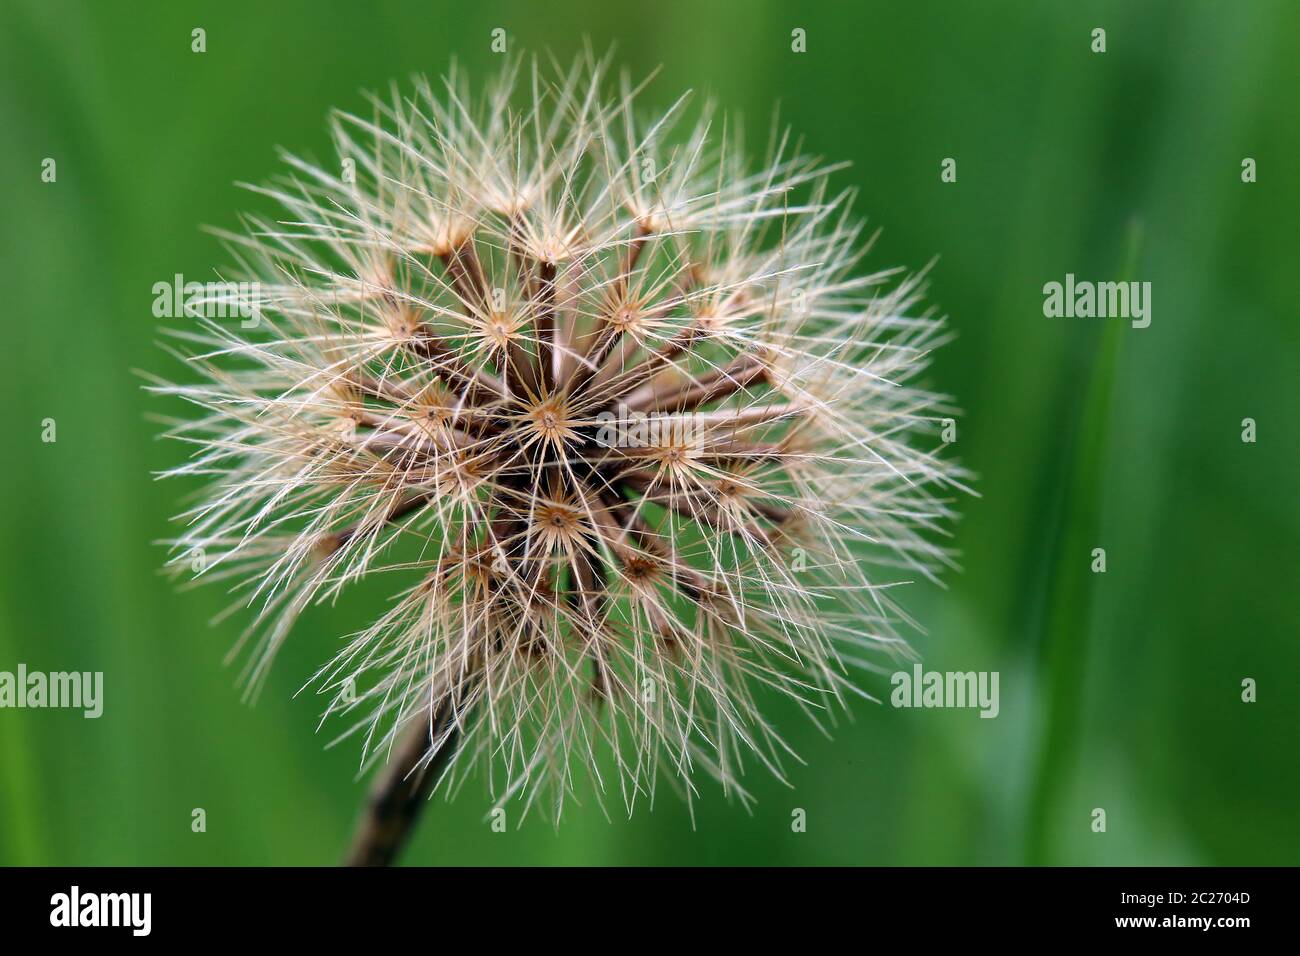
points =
(444, 340)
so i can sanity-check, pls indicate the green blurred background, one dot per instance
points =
(1120, 691)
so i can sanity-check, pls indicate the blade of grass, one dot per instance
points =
(1066, 614)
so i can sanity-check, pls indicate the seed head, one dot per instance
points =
(621, 412)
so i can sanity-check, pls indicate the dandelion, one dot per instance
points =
(449, 318)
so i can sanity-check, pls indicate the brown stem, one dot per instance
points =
(614, 379)
(330, 543)
(620, 377)
(713, 386)
(602, 343)
(401, 790)
(475, 384)
(544, 325)
(466, 274)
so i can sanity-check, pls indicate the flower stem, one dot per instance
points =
(402, 789)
